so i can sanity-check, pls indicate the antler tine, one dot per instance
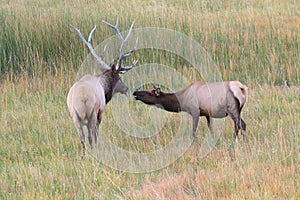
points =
(115, 27)
(124, 41)
(91, 34)
(126, 68)
(104, 51)
(129, 32)
(89, 45)
(131, 51)
(122, 55)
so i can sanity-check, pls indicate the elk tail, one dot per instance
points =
(239, 91)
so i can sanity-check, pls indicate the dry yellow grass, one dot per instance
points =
(253, 41)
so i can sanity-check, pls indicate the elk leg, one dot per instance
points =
(96, 133)
(96, 130)
(235, 117)
(82, 137)
(78, 126)
(92, 130)
(234, 112)
(236, 129)
(195, 124)
(243, 127)
(99, 118)
(90, 137)
(83, 149)
(209, 124)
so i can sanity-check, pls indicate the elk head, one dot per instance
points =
(150, 97)
(112, 73)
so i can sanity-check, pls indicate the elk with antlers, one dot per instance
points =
(88, 97)
(212, 100)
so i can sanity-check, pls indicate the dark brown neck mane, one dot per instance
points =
(168, 102)
(111, 78)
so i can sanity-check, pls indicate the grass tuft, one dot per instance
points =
(252, 41)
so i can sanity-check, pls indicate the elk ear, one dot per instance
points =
(113, 67)
(157, 92)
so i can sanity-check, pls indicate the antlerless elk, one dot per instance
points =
(212, 100)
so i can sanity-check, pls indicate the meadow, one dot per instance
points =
(256, 42)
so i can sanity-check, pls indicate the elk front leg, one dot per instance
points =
(209, 124)
(195, 124)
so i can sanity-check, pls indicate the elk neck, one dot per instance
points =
(109, 79)
(169, 102)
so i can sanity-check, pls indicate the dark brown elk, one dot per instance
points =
(88, 97)
(212, 100)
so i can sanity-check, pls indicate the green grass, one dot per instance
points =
(246, 39)
(252, 41)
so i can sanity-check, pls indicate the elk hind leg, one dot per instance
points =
(96, 129)
(236, 119)
(78, 125)
(81, 135)
(90, 137)
(92, 130)
(235, 116)
(243, 127)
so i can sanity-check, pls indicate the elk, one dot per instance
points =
(212, 100)
(88, 97)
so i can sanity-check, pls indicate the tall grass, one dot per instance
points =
(246, 39)
(252, 41)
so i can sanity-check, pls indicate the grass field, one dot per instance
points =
(252, 41)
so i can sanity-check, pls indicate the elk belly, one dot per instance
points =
(214, 107)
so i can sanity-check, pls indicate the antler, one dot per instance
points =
(89, 45)
(124, 41)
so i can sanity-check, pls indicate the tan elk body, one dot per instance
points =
(88, 97)
(212, 100)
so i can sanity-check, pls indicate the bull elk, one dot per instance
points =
(88, 97)
(212, 100)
